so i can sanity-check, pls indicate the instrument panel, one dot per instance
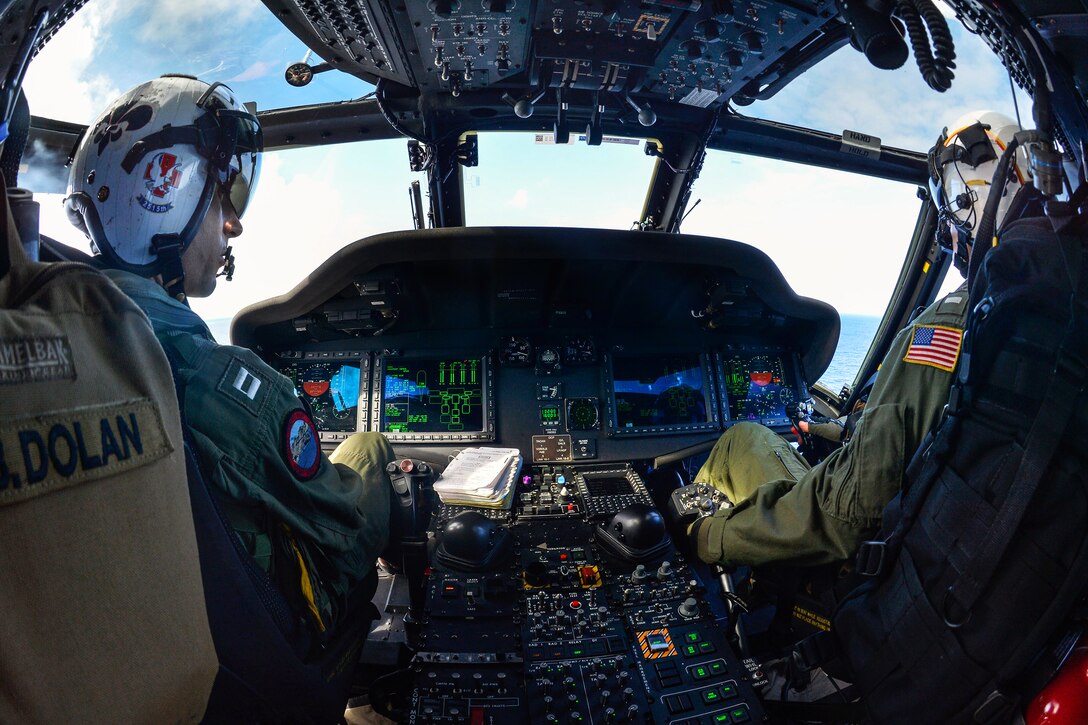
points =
(574, 394)
(572, 344)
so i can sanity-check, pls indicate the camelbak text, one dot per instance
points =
(35, 359)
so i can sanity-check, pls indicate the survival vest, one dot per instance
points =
(982, 560)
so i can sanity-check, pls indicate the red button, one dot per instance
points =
(476, 716)
(563, 557)
(575, 604)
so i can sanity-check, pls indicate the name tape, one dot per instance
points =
(40, 454)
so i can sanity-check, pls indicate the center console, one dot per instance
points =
(575, 606)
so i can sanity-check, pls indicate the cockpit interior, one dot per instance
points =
(601, 364)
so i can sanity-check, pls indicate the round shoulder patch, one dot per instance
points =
(301, 446)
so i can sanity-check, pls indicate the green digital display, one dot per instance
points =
(433, 395)
(549, 415)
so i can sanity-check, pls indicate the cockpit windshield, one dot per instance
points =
(526, 180)
(812, 222)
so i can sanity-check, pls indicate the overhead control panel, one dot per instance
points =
(358, 37)
(696, 52)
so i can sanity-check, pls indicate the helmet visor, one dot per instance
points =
(240, 144)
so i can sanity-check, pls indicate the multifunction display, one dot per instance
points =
(332, 390)
(659, 393)
(435, 398)
(758, 388)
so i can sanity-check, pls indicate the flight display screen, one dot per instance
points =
(332, 390)
(433, 395)
(758, 389)
(656, 393)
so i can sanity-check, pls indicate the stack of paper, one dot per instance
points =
(483, 477)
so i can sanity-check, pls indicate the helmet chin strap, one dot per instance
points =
(961, 258)
(167, 248)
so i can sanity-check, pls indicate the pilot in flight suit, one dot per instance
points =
(282, 495)
(158, 184)
(786, 512)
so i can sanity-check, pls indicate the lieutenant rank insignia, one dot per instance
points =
(936, 346)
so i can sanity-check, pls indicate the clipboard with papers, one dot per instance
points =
(484, 477)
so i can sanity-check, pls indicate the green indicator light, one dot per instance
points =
(739, 712)
(711, 696)
(692, 636)
(721, 718)
(701, 672)
(577, 651)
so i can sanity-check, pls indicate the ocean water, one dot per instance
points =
(854, 337)
(220, 329)
(856, 333)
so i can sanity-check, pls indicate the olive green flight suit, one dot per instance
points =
(316, 524)
(788, 513)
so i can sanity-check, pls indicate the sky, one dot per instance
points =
(817, 225)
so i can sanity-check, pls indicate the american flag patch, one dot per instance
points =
(935, 346)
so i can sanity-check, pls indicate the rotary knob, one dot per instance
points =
(694, 48)
(711, 28)
(640, 574)
(689, 607)
(753, 40)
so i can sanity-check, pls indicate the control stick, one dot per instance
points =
(410, 514)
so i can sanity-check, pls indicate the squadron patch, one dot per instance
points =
(162, 177)
(935, 346)
(301, 446)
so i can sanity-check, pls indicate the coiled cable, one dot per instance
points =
(924, 23)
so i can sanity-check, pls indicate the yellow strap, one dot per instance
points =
(304, 581)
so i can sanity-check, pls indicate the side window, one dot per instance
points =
(837, 237)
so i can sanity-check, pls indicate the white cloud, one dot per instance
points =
(836, 237)
(520, 199)
(187, 24)
(846, 92)
(308, 204)
(63, 81)
(259, 69)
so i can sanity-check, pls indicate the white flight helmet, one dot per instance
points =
(143, 175)
(961, 169)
